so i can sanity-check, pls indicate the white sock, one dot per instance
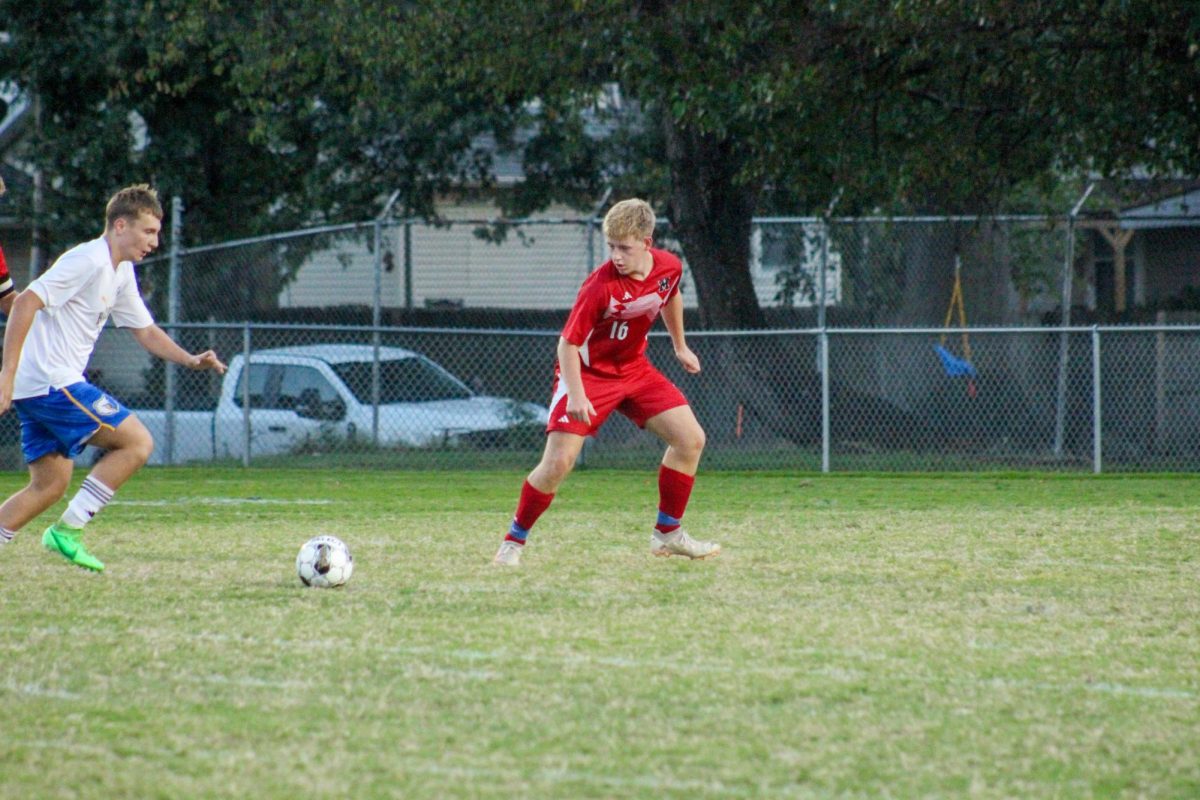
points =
(87, 502)
(6, 535)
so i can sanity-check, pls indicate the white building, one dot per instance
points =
(539, 265)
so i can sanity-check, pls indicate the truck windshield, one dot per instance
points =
(405, 380)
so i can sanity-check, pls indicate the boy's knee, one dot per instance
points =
(145, 448)
(560, 465)
(554, 467)
(692, 442)
(139, 446)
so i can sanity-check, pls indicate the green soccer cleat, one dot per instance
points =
(64, 540)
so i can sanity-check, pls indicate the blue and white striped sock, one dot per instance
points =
(6, 535)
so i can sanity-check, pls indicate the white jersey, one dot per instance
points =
(81, 291)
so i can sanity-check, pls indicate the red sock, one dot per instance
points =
(529, 508)
(674, 489)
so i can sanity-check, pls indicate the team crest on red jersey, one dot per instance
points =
(645, 306)
(664, 284)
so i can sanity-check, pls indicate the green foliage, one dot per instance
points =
(717, 110)
(1036, 258)
(314, 110)
(141, 92)
(874, 264)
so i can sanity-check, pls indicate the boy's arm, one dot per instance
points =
(570, 369)
(23, 310)
(673, 318)
(158, 343)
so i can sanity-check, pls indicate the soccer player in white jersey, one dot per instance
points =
(602, 367)
(51, 333)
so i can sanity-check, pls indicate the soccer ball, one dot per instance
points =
(324, 561)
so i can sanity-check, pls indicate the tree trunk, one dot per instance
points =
(711, 214)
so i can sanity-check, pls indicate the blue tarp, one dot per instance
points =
(954, 365)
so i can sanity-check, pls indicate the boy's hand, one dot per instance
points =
(208, 360)
(688, 359)
(580, 409)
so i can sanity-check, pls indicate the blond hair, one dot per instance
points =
(627, 219)
(131, 202)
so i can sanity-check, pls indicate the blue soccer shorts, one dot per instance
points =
(64, 420)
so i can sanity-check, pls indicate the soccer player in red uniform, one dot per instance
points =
(602, 367)
(7, 293)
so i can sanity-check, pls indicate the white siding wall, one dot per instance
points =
(342, 275)
(540, 268)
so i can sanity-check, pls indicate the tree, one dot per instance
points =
(271, 115)
(716, 110)
(141, 92)
(585, 108)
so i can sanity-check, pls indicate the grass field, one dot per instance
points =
(909, 636)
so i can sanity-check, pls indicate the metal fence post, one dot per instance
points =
(591, 245)
(377, 289)
(37, 232)
(821, 279)
(592, 223)
(1060, 405)
(1097, 428)
(376, 319)
(245, 377)
(825, 400)
(377, 315)
(408, 265)
(172, 319)
(822, 323)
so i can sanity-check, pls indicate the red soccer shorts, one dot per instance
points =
(641, 395)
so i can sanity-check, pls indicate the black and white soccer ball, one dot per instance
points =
(324, 561)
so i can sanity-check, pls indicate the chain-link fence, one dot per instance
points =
(862, 272)
(369, 272)
(403, 343)
(1080, 398)
(1093, 399)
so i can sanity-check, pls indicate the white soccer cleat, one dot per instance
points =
(509, 554)
(678, 543)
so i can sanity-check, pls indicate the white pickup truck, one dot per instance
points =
(319, 396)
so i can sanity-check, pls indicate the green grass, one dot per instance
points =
(899, 636)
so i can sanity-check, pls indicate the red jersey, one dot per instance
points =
(6, 284)
(613, 313)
